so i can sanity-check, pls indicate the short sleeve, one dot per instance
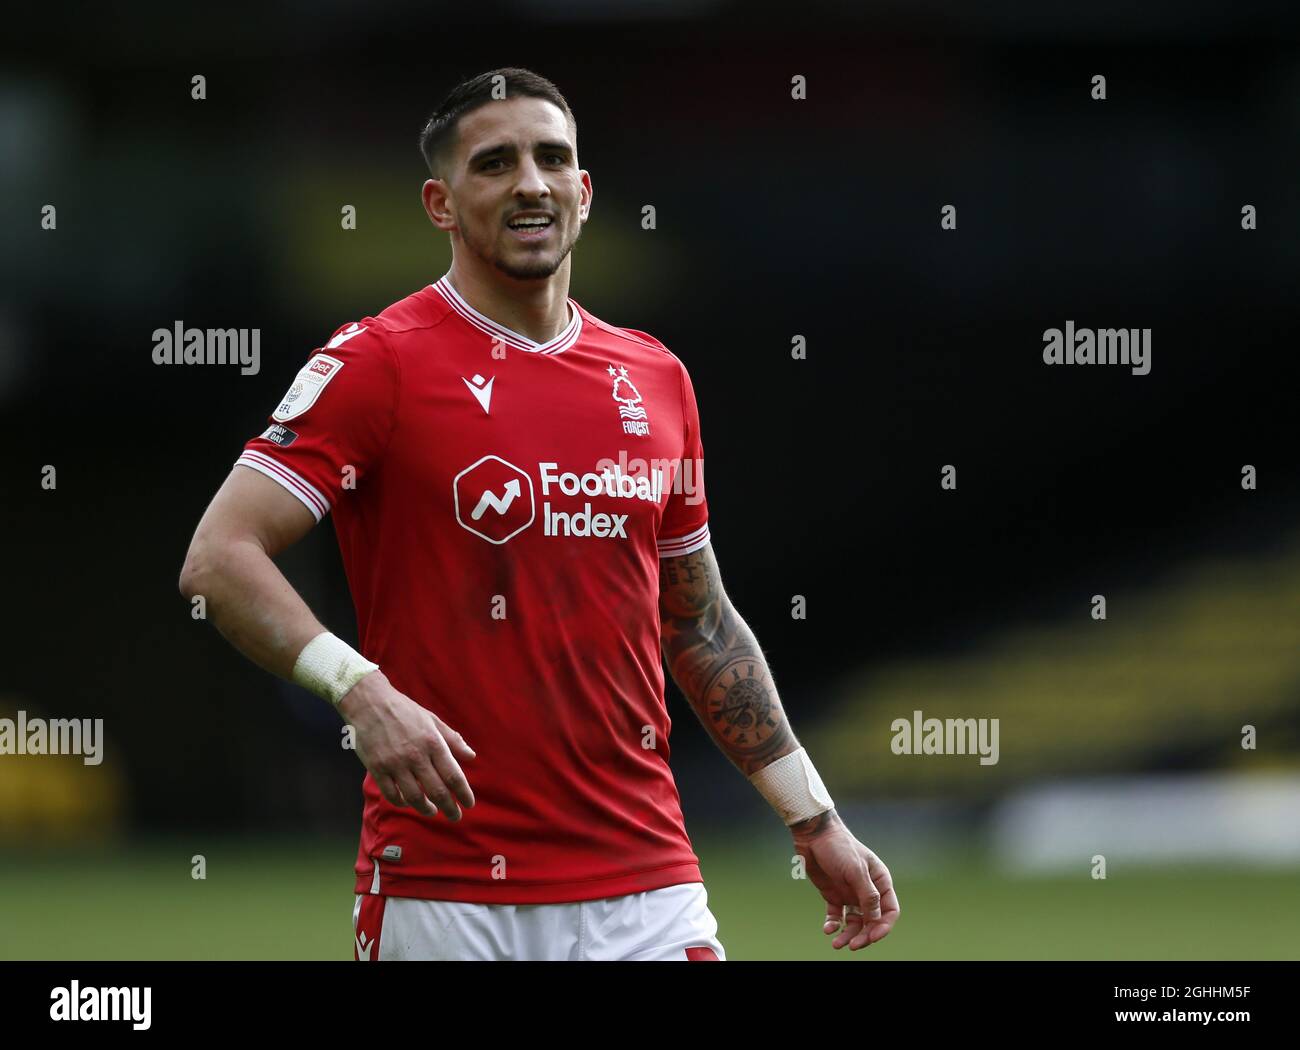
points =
(684, 527)
(337, 414)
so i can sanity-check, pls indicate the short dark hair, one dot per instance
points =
(438, 138)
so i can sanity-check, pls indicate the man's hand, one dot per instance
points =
(409, 750)
(848, 875)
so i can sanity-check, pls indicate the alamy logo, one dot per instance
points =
(101, 1004)
(179, 345)
(59, 736)
(1102, 346)
(630, 409)
(952, 736)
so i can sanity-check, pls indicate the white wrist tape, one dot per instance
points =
(793, 788)
(329, 667)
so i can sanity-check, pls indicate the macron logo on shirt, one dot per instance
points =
(353, 329)
(481, 388)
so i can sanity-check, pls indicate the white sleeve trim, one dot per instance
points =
(294, 482)
(688, 544)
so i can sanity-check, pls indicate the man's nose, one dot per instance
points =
(530, 182)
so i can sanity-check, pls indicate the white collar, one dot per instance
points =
(508, 336)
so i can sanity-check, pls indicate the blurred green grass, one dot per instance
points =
(292, 899)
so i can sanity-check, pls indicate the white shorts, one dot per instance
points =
(672, 923)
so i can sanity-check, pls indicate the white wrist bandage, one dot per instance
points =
(792, 786)
(329, 667)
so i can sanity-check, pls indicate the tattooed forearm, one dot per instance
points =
(716, 661)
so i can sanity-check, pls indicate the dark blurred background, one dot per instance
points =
(776, 218)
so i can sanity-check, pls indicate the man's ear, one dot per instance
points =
(585, 207)
(437, 204)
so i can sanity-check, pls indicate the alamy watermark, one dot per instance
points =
(179, 345)
(946, 736)
(58, 736)
(75, 1003)
(1101, 346)
(683, 477)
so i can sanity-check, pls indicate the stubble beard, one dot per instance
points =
(535, 269)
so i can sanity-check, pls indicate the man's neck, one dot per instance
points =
(536, 309)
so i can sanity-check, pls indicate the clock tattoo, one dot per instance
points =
(740, 705)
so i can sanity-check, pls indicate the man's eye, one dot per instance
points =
(494, 160)
(557, 157)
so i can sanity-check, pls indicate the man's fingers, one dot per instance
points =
(459, 746)
(413, 794)
(834, 915)
(434, 788)
(884, 883)
(865, 894)
(852, 927)
(387, 788)
(887, 908)
(861, 905)
(412, 755)
(449, 770)
(840, 921)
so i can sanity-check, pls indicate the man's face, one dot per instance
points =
(516, 159)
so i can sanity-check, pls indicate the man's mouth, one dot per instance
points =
(531, 227)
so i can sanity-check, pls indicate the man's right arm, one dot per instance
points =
(249, 521)
(411, 753)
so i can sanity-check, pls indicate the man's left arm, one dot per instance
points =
(716, 661)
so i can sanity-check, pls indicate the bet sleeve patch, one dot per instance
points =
(306, 388)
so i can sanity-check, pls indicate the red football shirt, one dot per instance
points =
(501, 507)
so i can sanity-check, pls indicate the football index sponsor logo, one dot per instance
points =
(611, 483)
(75, 1003)
(495, 499)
